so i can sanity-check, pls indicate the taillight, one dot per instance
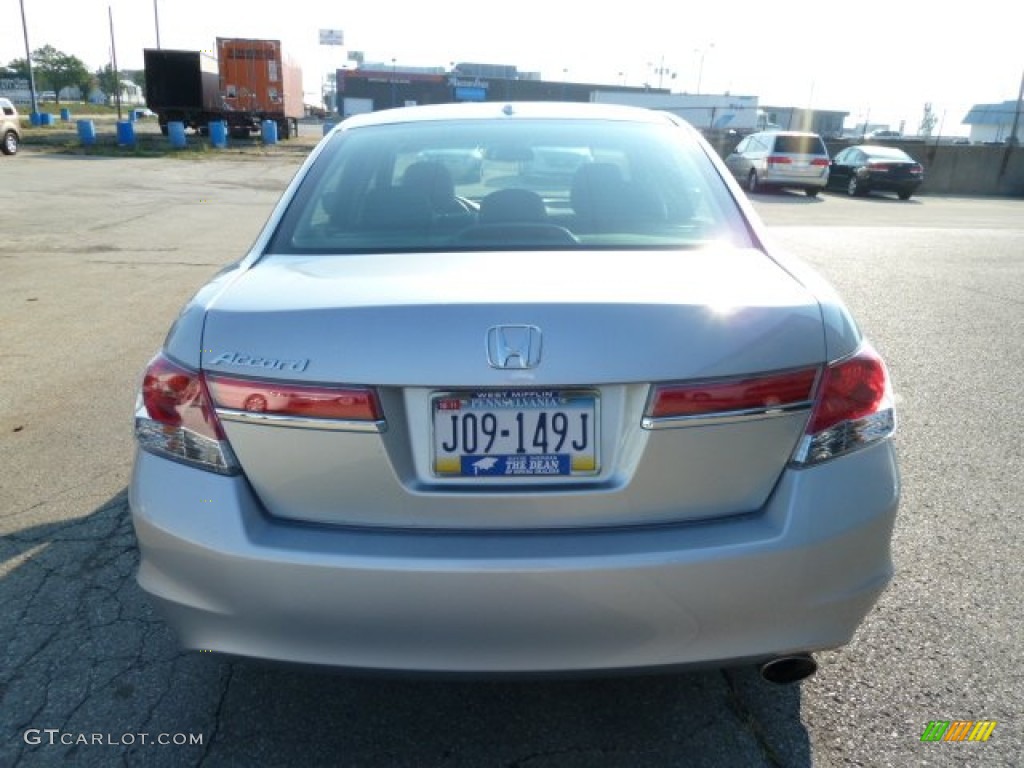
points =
(778, 160)
(880, 166)
(730, 396)
(916, 169)
(174, 417)
(853, 408)
(300, 401)
(819, 161)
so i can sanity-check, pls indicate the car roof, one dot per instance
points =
(496, 110)
(790, 133)
(880, 151)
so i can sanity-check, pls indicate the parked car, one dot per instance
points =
(465, 164)
(777, 159)
(10, 127)
(603, 427)
(883, 134)
(867, 168)
(558, 162)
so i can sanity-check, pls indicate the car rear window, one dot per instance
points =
(800, 145)
(890, 153)
(508, 185)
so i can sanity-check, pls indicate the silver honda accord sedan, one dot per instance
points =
(582, 421)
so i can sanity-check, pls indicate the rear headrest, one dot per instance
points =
(512, 205)
(432, 179)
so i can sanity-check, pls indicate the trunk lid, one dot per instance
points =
(411, 325)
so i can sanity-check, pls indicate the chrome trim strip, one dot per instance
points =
(726, 417)
(300, 422)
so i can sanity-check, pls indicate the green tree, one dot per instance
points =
(106, 80)
(137, 76)
(60, 70)
(19, 68)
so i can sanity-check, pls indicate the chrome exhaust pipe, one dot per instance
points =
(789, 669)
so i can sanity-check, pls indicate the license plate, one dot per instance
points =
(515, 433)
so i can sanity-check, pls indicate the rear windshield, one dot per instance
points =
(509, 185)
(889, 153)
(800, 145)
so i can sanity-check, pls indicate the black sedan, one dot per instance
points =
(867, 168)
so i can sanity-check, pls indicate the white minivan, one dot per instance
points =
(792, 159)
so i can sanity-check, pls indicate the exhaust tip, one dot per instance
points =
(789, 669)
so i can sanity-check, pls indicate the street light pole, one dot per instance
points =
(156, 19)
(700, 70)
(28, 61)
(394, 91)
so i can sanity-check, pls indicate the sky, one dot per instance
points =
(879, 61)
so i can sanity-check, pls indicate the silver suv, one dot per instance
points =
(779, 159)
(10, 127)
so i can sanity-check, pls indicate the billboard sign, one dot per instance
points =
(332, 37)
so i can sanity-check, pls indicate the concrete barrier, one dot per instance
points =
(949, 169)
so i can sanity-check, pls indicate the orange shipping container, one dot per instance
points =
(256, 77)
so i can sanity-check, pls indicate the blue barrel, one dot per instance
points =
(176, 133)
(269, 132)
(36, 118)
(45, 118)
(87, 132)
(329, 126)
(65, 114)
(125, 133)
(219, 133)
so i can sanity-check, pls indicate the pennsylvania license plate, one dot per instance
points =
(515, 433)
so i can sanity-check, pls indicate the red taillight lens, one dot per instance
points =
(849, 390)
(819, 161)
(916, 170)
(754, 393)
(880, 166)
(852, 409)
(295, 400)
(175, 419)
(175, 396)
(778, 160)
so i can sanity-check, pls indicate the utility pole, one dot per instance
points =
(28, 61)
(156, 19)
(1012, 140)
(1016, 113)
(113, 62)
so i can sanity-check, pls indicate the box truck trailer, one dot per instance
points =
(249, 81)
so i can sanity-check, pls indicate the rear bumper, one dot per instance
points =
(794, 181)
(886, 184)
(798, 575)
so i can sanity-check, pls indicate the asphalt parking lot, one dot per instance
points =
(100, 252)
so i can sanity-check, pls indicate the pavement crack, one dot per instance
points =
(217, 716)
(749, 721)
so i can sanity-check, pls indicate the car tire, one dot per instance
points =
(812, 191)
(904, 194)
(10, 143)
(854, 188)
(753, 185)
